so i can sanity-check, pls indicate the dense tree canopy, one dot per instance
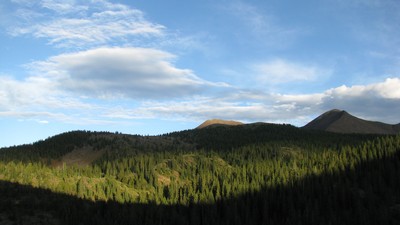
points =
(251, 174)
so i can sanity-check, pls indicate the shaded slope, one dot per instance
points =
(342, 122)
(367, 194)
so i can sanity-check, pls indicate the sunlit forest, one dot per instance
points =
(250, 174)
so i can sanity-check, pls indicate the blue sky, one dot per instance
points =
(150, 67)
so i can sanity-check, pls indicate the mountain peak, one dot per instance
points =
(340, 121)
(213, 122)
(336, 111)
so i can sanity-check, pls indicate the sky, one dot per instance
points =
(151, 67)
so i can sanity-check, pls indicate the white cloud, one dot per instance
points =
(389, 89)
(282, 71)
(84, 23)
(15, 93)
(39, 98)
(39, 92)
(377, 101)
(122, 72)
(43, 121)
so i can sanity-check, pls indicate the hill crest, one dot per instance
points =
(216, 122)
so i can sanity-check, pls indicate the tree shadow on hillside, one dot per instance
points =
(367, 194)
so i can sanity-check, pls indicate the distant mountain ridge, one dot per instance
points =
(340, 121)
(337, 121)
(82, 148)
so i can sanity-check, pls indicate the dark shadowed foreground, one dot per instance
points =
(367, 194)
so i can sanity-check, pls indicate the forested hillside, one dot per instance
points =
(245, 174)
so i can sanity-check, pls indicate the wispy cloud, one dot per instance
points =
(63, 6)
(264, 26)
(44, 117)
(283, 71)
(251, 16)
(83, 24)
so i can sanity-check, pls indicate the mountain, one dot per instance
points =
(245, 174)
(340, 121)
(217, 122)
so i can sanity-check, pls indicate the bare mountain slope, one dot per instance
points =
(216, 122)
(340, 121)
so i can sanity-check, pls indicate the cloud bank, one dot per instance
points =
(122, 72)
(95, 82)
(280, 108)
